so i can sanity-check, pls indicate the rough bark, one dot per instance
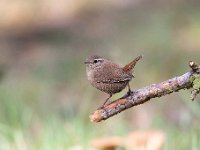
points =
(145, 94)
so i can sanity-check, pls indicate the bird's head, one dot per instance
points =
(94, 61)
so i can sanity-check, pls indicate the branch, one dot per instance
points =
(188, 80)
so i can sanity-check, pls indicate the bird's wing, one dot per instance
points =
(111, 81)
(113, 74)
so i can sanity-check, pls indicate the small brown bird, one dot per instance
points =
(107, 76)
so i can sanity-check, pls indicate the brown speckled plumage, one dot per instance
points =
(107, 76)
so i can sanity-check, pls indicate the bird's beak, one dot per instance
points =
(86, 62)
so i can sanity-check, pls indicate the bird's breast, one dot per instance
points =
(90, 75)
(110, 88)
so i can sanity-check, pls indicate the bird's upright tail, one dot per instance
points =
(129, 67)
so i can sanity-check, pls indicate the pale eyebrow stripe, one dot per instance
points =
(98, 59)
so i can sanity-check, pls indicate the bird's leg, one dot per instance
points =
(102, 106)
(128, 93)
(129, 89)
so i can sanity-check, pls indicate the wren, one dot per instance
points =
(109, 77)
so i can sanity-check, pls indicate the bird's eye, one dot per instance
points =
(95, 61)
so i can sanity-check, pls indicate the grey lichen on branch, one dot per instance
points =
(188, 80)
(195, 79)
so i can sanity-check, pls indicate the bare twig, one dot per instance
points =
(143, 95)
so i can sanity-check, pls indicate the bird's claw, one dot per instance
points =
(101, 107)
(129, 92)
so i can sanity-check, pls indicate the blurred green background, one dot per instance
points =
(45, 98)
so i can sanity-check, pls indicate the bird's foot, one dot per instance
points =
(127, 94)
(130, 92)
(101, 107)
(104, 104)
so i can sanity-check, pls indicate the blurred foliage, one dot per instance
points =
(45, 98)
